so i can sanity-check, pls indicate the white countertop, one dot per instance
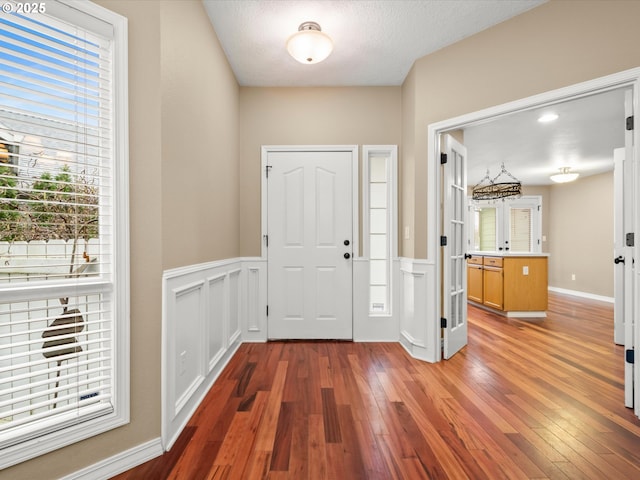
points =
(509, 254)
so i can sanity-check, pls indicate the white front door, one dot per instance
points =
(310, 244)
(454, 243)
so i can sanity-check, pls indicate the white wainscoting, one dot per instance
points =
(419, 328)
(208, 310)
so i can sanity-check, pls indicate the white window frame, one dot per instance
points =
(98, 17)
(503, 220)
(391, 152)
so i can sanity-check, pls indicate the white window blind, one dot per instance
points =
(57, 301)
(487, 228)
(520, 229)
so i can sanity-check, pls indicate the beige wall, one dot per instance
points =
(581, 235)
(183, 166)
(557, 44)
(306, 116)
(199, 140)
(406, 169)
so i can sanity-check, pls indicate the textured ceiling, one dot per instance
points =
(375, 42)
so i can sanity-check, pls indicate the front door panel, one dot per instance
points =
(310, 269)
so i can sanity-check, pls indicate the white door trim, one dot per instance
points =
(353, 149)
(629, 78)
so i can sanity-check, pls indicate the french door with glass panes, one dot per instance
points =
(510, 225)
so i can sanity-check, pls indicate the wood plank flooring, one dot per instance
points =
(523, 400)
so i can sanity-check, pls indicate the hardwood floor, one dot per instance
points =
(524, 399)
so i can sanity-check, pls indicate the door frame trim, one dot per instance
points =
(352, 149)
(627, 78)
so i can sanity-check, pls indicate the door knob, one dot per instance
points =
(467, 256)
(618, 260)
(347, 255)
(346, 242)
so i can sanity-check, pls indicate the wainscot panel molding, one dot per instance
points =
(369, 327)
(417, 334)
(208, 310)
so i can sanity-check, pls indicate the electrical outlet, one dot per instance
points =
(573, 276)
(525, 270)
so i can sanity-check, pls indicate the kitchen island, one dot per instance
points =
(512, 284)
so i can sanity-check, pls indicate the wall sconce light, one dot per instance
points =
(309, 45)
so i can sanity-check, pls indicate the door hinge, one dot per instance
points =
(443, 241)
(267, 310)
(630, 240)
(630, 356)
(630, 123)
(443, 158)
(443, 322)
(267, 169)
(266, 240)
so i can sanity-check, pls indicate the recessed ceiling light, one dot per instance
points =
(548, 117)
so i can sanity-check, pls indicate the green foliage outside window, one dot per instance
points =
(64, 206)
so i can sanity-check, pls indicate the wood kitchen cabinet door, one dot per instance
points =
(474, 283)
(493, 287)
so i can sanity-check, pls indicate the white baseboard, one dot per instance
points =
(123, 461)
(576, 293)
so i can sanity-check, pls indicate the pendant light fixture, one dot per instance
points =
(564, 176)
(309, 45)
(497, 187)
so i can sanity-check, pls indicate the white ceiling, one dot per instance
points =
(375, 41)
(583, 138)
(375, 44)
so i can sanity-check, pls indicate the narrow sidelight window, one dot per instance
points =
(380, 238)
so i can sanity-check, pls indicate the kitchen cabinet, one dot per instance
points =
(493, 285)
(474, 279)
(513, 284)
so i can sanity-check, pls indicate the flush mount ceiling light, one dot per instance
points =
(564, 176)
(309, 45)
(548, 117)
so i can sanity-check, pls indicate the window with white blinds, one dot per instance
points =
(511, 225)
(62, 255)
(486, 236)
(521, 229)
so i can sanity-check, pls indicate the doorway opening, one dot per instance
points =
(624, 80)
